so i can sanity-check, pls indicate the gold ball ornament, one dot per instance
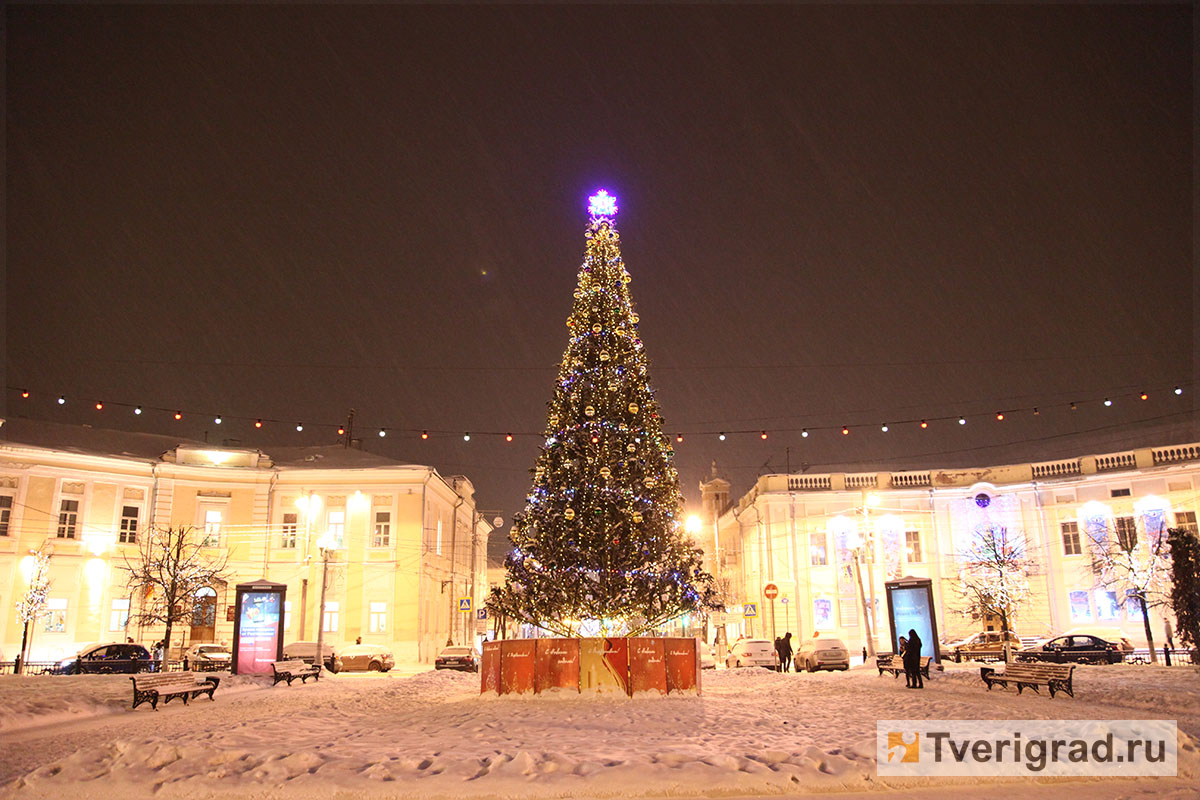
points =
(605, 473)
(635, 319)
(569, 513)
(631, 447)
(590, 411)
(597, 328)
(649, 483)
(604, 355)
(637, 516)
(633, 408)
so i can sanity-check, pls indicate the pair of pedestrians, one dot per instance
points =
(783, 647)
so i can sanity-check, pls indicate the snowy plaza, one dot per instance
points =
(751, 733)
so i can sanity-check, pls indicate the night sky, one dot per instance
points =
(833, 216)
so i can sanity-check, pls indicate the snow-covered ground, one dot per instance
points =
(430, 735)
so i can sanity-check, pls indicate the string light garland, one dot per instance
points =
(1108, 400)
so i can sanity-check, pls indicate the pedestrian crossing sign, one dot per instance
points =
(750, 610)
(464, 604)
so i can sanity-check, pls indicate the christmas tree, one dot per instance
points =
(599, 547)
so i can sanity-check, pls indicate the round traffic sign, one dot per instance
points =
(770, 591)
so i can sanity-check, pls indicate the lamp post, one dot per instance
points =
(327, 544)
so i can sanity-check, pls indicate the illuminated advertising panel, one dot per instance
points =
(256, 634)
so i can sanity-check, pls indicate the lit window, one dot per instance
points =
(118, 618)
(212, 518)
(287, 615)
(817, 555)
(288, 538)
(1070, 539)
(331, 616)
(378, 621)
(439, 537)
(383, 529)
(1081, 610)
(68, 519)
(1106, 604)
(56, 615)
(6, 503)
(912, 546)
(335, 527)
(129, 524)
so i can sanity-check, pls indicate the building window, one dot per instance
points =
(817, 555)
(848, 610)
(822, 613)
(1081, 610)
(331, 616)
(1119, 493)
(378, 621)
(118, 618)
(211, 518)
(1133, 605)
(5, 513)
(1183, 519)
(383, 529)
(1126, 533)
(68, 519)
(287, 615)
(129, 525)
(335, 527)
(439, 536)
(1070, 539)
(912, 546)
(288, 537)
(56, 615)
(1106, 604)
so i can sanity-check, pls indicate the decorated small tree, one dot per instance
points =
(32, 604)
(1138, 572)
(1185, 586)
(599, 547)
(171, 565)
(993, 579)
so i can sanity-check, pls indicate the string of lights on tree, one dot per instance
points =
(599, 547)
(924, 422)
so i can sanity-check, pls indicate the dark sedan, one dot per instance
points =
(106, 658)
(464, 658)
(1081, 648)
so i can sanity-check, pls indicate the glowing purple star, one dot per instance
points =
(602, 204)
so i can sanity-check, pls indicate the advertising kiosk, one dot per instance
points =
(258, 627)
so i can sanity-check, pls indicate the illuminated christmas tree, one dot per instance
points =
(599, 547)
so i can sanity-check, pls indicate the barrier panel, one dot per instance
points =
(601, 665)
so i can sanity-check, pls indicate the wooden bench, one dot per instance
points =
(1055, 677)
(895, 665)
(152, 686)
(290, 670)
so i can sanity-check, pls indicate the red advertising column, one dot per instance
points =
(557, 665)
(489, 668)
(517, 661)
(647, 668)
(683, 665)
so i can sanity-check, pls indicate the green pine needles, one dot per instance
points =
(600, 548)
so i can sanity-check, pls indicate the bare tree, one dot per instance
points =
(170, 567)
(993, 578)
(32, 604)
(1137, 573)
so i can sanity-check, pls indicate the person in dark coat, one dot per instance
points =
(785, 652)
(779, 653)
(912, 661)
(903, 648)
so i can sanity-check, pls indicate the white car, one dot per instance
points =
(708, 656)
(208, 656)
(307, 652)
(370, 657)
(822, 652)
(752, 653)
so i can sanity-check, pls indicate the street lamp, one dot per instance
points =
(327, 544)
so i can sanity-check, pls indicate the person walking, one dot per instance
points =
(912, 660)
(1170, 636)
(779, 654)
(785, 652)
(903, 647)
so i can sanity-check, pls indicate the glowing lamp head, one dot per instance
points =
(693, 524)
(602, 204)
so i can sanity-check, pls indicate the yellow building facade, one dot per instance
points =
(406, 544)
(815, 535)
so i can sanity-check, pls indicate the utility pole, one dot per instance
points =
(349, 429)
(320, 660)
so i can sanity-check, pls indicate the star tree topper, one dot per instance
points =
(602, 204)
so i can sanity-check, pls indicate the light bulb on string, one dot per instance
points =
(763, 435)
(924, 424)
(25, 394)
(299, 427)
(382, 432)
(845, 430)
(1144, 396)
(962, 420)
(138, 411)
(178, 415)
(1074, 407)
(99, 406)
(508, 437)
(341, 429)
(466, 437)
(884, 427)
(1036, 413)
(679, 437)
(217, 419)
(721, 436)
(804, 433)
(424, 434)
(1107, 402)
(62, 399)
(1177, 391)
(258, 423)
(999, 416)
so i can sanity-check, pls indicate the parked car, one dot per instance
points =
(1082, 648)
(208, 656)
(822, 652)
(107, 657)
(708, 655)
(370, 657)
(985, 644)
(307, 652)
(752, 653)
(458, 657)
(1113, 635)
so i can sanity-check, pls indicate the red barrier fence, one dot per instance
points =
(614, 665)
